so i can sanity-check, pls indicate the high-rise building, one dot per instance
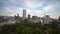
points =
(24, 14)
(34, 17)
(15, 17)
(18, 17)
(46, 19)
(29, 16)
(17, 14)
(59, 18)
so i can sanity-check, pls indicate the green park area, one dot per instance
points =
(29, 28)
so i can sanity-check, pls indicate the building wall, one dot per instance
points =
(46, 19)
(24, 14)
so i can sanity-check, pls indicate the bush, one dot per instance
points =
(28, 28)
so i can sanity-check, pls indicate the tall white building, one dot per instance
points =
(46, 19)
(24, 14)
(36, 19)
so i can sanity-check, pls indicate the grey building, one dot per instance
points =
(24, 14)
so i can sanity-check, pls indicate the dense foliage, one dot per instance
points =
(29, 28)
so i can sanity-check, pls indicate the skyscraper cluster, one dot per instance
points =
(35, 19)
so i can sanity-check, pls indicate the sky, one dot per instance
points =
(33, 7)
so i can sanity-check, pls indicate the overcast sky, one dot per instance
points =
(33, 7)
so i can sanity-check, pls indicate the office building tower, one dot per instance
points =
(59, 18)
(29, 16)
(18, 17)
(46, 19)
(24, 14)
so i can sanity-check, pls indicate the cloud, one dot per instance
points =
(48, 8)
(11, 11)
(52, 6)
(33, 7)
(34, 12)
(55, 17)
(32, 3)
(6, 11)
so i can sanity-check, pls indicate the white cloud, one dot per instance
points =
(34, 12)
(32, 4)
(52, 6)
(49, 7)
(11, 11)
(15, 7)
(7, 11)
(29, 4)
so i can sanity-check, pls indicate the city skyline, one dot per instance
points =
(33, 7)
